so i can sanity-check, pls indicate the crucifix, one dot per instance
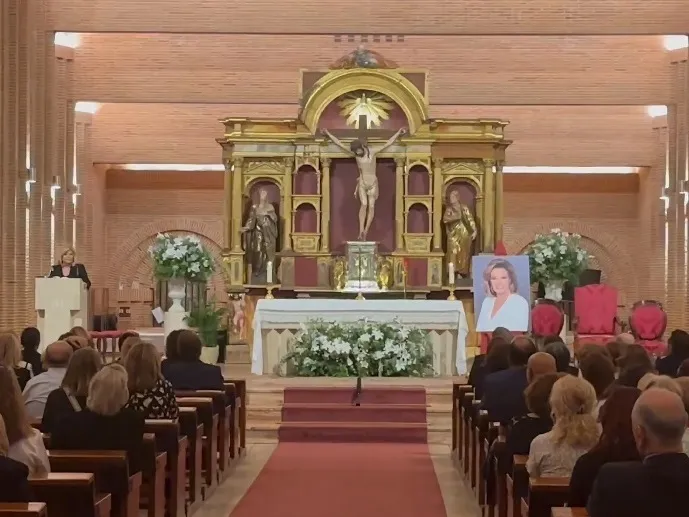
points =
(366, 190)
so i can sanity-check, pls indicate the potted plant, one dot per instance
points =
(207, 319)
(555, 258)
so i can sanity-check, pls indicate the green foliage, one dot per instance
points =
(207, 320)
(365, 348)
(180, 257)
(557, 257)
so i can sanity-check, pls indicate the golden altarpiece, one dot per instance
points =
(310, 181)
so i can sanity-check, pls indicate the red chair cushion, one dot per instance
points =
(654, 347)
(547, 319)
(594, 339)
(595, 307)
(648, 322)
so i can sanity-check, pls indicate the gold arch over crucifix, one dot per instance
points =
(388, 82)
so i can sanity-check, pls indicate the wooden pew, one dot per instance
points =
(222, 405)
(569, 512)
(111, 473)
(232, 394)
(168, 439)
(71, 495)
(467, 402)
(517, 483)
(240, 385)
(500, 465)
(490, 436)
(545, 494)
(209, 418)
(458, 392)
(153, 478)
(473, 441)
(192, 429)
(23, 510)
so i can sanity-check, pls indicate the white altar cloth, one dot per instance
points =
(444, 320)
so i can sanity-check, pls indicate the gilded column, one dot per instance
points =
(400, 178)
(437, 203)
(325, 205)
(236, 201)
(227, 204)
(499, 203)
(488, 206)
(287, 203)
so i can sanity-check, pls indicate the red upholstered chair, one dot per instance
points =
(648, 322)
(595, 314)
(547, 318)
(105, 338)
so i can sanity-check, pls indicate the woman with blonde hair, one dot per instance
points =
(503, 306)
(77, 342)
(14, 484)
(575, 429)
(68, 268)
(81, 332)
(105, 423)
(71, 397)
(25, 442)
(127, 345)
(149, 393)
(11, 357)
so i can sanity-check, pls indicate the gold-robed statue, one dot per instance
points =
(384, 274)
(339, 274)
(460, 227)
(260, 237)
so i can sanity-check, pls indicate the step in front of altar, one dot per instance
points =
(343, 395)
(402, 413)
(353, 432)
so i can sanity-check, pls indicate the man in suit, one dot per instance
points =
(503, 393)
(658, 485)
(188, 372)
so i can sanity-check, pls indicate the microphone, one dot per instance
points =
(356, 396)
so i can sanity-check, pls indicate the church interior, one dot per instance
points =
(237, 123)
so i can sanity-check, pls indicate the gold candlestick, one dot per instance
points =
(269, 292)
(452, 296)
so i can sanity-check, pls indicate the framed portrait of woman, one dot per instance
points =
(502, 292)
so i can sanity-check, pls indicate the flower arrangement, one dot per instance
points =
(207, 319)
(365, 348)
(557, 257)
(180, 257)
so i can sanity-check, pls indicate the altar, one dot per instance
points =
(276, 322)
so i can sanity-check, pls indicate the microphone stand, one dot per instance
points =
(356, 396)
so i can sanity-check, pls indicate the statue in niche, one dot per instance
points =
(260, 233)
(363, 58)
(366, 190)
(460, 227)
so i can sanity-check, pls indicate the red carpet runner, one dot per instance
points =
(345, 480)
(386, 415)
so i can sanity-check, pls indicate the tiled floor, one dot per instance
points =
(459, 501)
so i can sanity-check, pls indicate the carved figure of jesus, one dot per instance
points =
(367, 183)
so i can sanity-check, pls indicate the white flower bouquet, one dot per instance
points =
(557, 257)
(365, 348)
(180, 257)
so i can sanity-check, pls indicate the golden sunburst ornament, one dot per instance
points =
(374, 106)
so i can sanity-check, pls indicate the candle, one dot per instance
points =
(451, 273)
(269, 273)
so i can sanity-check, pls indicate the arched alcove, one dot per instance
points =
(418, 181)
(305, 181)
(418, 220)
(306, 219)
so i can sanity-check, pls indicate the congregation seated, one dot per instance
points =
(563, 358)
(678, 346)
(57, 356)
(30, 341)
(539, 364)
(683, 370)
(25, 443)
(11, 357)
(171, 351)
(127, 345)
(653, 380)
(149, 392)
(683, 383)
(82, 333)
(496, 359)
(503, 396)
(616, 443)
(71, 396)
(77, 342)
(633, 365)
(574, 432)
(189, 372)
(105, 423)
(657, 485)
(124, 336)
(599, 371)
(14, 484)
(538, 420)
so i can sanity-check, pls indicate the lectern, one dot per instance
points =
(61, 303)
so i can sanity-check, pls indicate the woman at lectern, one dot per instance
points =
(68, 268)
